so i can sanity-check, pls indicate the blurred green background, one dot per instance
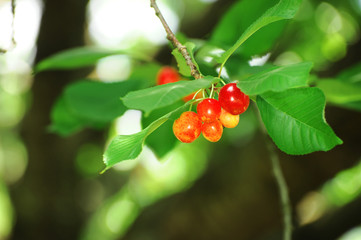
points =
(50, 187)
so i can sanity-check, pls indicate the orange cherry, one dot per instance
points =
(187, 127)
(212, 131)
(228, 120)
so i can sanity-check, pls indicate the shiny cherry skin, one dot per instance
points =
(209, 110)
(228, 120)
(167, 75)
(187, 127)
(232, 99)
(212, 131)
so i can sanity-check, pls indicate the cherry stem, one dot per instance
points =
(281, 183)
(223, 82)
(220, 71)
(212, 91)
(172, 38)
(194, 97)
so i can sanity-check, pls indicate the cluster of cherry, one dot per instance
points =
(212, 114)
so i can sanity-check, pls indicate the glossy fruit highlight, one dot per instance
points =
(228, 120)
(187, 127)
(232, 99)
(167, 75)
(212, 131)
(209, 110)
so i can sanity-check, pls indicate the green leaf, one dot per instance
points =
(352, 74)
(164, 95)
(277, 79)
(6, 208)
(65, 122)
(155, 141)
(98, 101)
(340, 92)
(128, 147)
(236, 20)
(94, 104)
(147, 73)
(285, 9)
(77, 57)
(345, 91)
(295, 120)
(353, 105)
(181, 62)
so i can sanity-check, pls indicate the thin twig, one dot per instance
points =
(283, 190)
(281, 183)
(13, 6)
(171, 37)
(13, 42)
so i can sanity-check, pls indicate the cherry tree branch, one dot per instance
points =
(13, 6)
(283, 191)
(281, 183)
(172, 38)
(13, 42)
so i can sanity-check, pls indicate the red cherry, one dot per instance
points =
(232, 99)
(209, 110)
(167, 75)
(212, 131)
(187, 127)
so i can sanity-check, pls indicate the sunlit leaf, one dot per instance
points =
(340, 92)
(277, 79)
(352, 74)
(98, 101)
(128, 147)
(164, 95)
(78, 57)
(346, 95)
(154, 141)
(353, 105)
(295, 120)
(238, 18)
(7, 211)
(285, 9)
(181, 62)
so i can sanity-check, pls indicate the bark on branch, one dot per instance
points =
(172, 38)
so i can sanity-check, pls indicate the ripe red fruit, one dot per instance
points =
(232, 99)
(209, 110)
(187, 127)
(167, 75)
(228, 120)
(212, 131)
